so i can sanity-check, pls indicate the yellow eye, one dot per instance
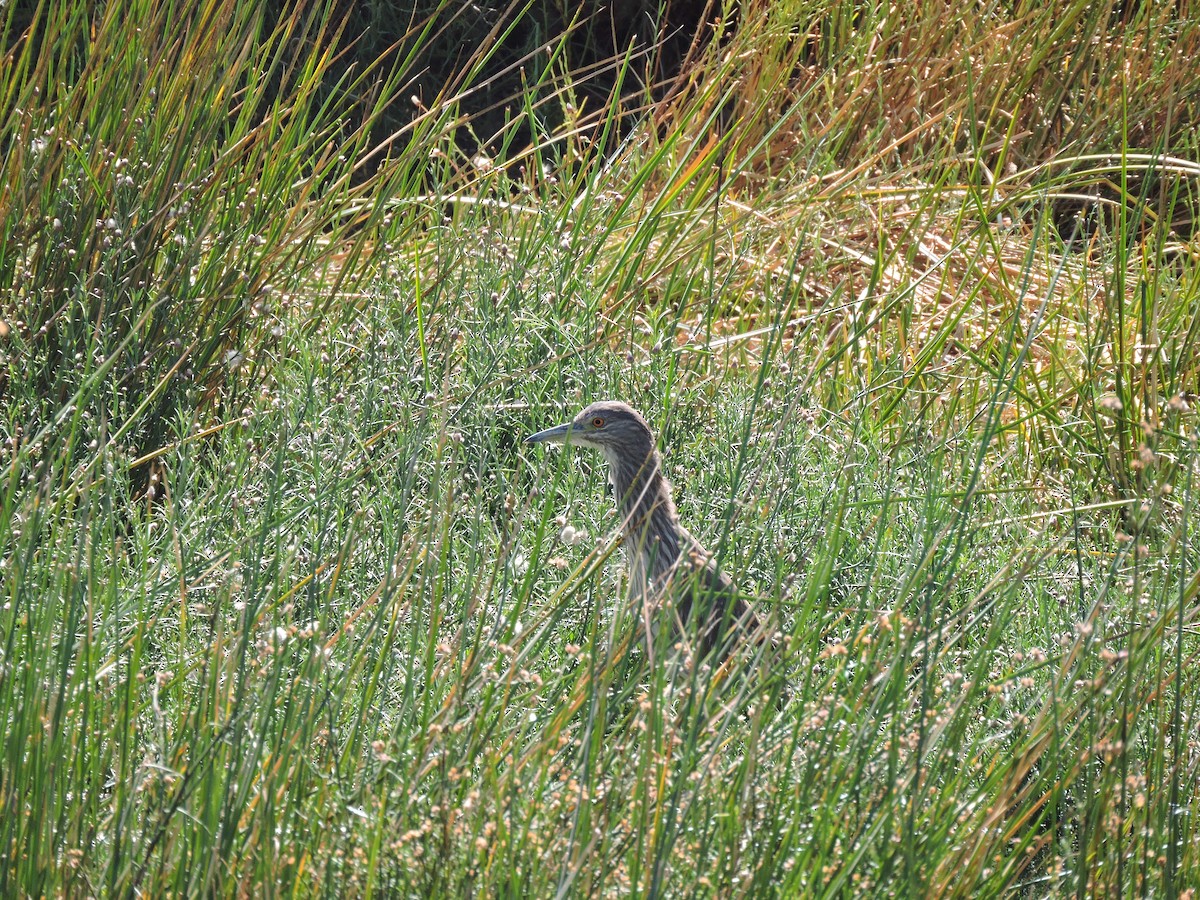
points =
(598, 422)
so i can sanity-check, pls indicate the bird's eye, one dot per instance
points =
(598, 422)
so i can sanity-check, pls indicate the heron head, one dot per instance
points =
(607, 425)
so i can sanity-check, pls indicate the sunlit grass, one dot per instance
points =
(327, 625)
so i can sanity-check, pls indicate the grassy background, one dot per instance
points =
(288, 607)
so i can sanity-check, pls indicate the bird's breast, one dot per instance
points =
(639, 572)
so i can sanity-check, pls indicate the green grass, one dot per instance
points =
(309, 624)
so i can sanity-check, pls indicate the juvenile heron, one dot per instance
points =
(666, 563)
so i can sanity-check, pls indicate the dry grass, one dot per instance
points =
(938, 424)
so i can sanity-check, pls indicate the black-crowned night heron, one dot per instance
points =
(666, 563)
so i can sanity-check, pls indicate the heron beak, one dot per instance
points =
(556, 435)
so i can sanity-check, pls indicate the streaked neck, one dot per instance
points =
(650, 527)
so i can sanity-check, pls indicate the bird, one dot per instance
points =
(666, 563)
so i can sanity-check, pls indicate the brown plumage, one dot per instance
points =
(666, 563)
